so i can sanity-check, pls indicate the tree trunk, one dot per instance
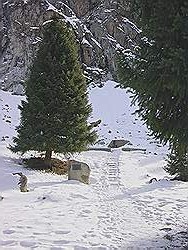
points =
(47, 158)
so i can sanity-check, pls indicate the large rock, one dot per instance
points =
(119, 143)
(79, 171)
(101, 26)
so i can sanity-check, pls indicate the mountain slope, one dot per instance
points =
(101, 26)
(118, 210)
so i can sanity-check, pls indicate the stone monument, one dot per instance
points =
(79, 171)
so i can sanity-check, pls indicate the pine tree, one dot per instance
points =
(158, 71)
(177, 165)
(55, 113)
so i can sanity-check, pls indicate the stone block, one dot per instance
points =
(79, 171)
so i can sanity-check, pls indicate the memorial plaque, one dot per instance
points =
(76, 166)
(79, 171)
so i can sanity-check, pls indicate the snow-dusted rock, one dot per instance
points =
(79, 171)
(101, 27)
(119, 143)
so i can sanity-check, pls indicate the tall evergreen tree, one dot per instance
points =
(55, 113)
(158, 72)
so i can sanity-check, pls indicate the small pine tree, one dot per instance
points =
(55, 113)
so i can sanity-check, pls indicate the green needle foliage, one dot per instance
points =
(158, 72)
(55, 113)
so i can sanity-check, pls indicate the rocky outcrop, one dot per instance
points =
(101, 26)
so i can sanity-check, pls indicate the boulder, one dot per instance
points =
(79, 171)
(119, 143)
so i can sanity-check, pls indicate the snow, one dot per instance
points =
(16, 21)
(48, 21)
(7, 2)
(95, 70)
(73, 20)
(34, 27)
(119, 209)
(111, 38)
(85, 41)
(133, 26)
(96, 42)
(51, 7)
(37, 39)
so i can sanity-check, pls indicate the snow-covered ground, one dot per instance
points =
(118, 210)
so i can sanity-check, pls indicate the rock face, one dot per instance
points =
(101, 27)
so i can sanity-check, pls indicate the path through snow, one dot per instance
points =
(61, 214)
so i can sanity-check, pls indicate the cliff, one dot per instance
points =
(101, 27)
